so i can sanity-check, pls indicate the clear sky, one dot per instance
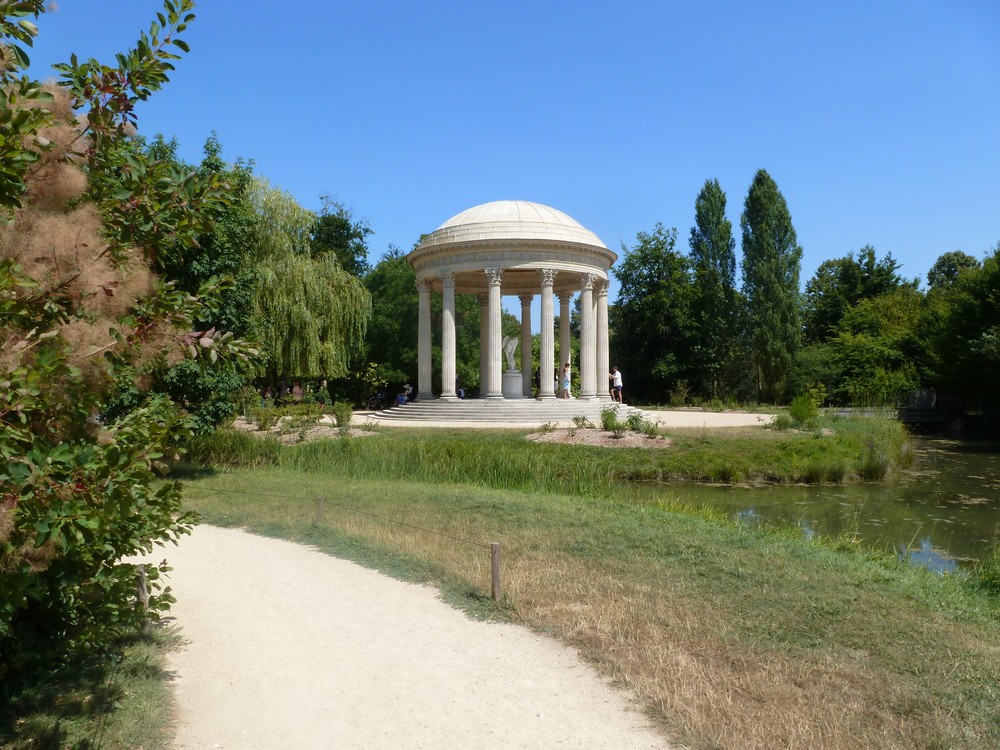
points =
(878, 119)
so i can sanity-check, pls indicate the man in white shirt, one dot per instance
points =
(616, 385)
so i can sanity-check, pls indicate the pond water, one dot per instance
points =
(944, 511)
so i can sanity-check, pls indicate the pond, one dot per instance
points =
(943, 512)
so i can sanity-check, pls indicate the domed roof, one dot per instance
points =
(513, 211)
(512, 221)
(520, 237)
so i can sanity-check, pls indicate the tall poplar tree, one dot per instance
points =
(714, 300)
(771, 261)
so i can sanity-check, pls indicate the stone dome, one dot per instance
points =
(519, 236)
(507, 221)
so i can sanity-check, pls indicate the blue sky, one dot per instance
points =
(878, 120)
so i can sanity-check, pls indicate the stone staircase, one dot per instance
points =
(506, 411)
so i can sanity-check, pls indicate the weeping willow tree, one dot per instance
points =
(310, 315)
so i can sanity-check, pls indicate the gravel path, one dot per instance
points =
(291, 648)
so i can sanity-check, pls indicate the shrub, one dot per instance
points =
(874, 463)
(635, 422)
(609, 418)
(342, 414)
(781, 422)
(583, 423)
(803, 410)
(650, 429)
(265, 417)
(836, 471)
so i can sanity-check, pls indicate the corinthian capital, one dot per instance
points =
(494, 276)
(548, 276)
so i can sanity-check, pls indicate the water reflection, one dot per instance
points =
(943, 512)
(929, 556)
(750, 517)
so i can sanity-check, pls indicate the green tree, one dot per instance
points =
(338, 233)
(391, 344)
(310, 315)
(966, 339)
(840, 284)
(878, 349)
(77, 499)
(222, 251)
(206, 389)
(771, 260)
(947, 268)
(714, 298)
(651, 319)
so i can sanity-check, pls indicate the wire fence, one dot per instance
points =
(320, 518)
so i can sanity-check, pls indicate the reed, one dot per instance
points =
(503, 459)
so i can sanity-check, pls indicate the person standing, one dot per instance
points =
(565, 381)
(616, 385)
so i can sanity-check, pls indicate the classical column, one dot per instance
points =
(424, 388)
(588, 352)
(603, 363)
(565, 318)
(448, 337)
(526, 370)
(484, 327)
(494, 356)
(546, 374)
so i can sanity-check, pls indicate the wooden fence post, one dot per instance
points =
(495, 558)
(320, 508)
(147, 623)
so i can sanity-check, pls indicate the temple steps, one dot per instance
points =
(501, 411)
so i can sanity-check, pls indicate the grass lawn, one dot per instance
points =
(109, 701)
(732, 637)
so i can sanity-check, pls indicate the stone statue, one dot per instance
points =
(509, 345)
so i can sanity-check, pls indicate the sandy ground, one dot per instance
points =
(290, 648)
(667, 418)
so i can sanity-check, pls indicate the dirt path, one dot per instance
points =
(291, 648)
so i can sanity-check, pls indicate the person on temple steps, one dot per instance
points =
(616, 385)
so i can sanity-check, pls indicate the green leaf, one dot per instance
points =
(19, 56)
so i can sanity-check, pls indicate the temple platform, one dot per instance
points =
(500, 412)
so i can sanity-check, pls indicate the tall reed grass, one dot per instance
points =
(503, 459)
